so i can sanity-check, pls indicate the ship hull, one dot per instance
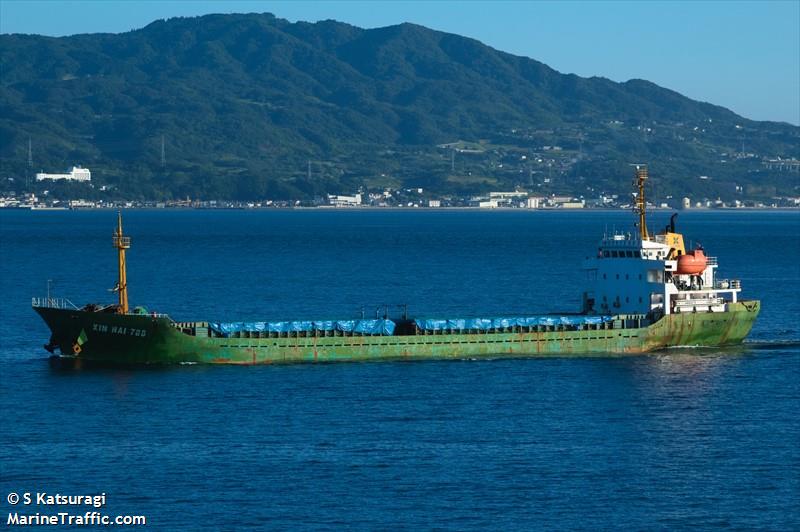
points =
(136, 339)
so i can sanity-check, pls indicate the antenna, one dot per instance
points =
(30, 164)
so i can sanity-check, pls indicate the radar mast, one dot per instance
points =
(641, 203)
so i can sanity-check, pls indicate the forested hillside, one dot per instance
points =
(251, 106)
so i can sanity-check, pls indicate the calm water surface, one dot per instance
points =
(702, 438)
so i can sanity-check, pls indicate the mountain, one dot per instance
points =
(251, 106)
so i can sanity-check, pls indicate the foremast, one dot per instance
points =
(122, 243)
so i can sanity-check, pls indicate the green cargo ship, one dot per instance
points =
(646, 292)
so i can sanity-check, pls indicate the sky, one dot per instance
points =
(744, 55)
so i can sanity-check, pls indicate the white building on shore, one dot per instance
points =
(76, 174)
(535, 203)
(344, 201)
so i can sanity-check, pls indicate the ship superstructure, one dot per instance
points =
(645, 292)
(636, 272)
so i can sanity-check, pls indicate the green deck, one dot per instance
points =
(136, 339)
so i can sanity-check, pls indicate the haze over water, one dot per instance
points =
(702, 438)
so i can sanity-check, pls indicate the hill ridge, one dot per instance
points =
(244, 101)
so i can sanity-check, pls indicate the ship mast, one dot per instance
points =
(121, 243)
(641, 203)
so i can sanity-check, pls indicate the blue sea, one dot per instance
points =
(685, 438)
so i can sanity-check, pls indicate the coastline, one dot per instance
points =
(399, 209)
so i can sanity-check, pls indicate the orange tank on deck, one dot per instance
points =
(693, 263)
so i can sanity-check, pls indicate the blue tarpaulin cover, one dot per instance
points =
(484, 324)
(380, 327)
(384, 327)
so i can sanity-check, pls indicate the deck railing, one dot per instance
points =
(121, 241)
(726, 284)
(53, 302)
